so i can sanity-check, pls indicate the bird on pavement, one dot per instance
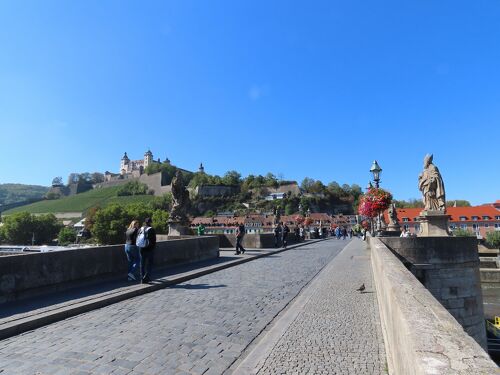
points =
(361, 288)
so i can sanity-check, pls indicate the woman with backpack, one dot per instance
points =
(131, 250)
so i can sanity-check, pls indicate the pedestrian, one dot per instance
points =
(200, 229)
(277, 235)
(344, 233)
(405, 233)
(302, 233)
(320, 232)
(131, 250)
(296, 232)
(240, 233)
(284, 234)
(146, 241)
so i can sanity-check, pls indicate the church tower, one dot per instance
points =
(148, 159)
(124, 164)
(201, 169)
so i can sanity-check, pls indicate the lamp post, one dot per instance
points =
(376, 171)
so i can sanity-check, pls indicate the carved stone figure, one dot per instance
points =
(180, 199)
(393, 214)
(430, 183)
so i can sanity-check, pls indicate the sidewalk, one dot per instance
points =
(330, 328)
(21, 316)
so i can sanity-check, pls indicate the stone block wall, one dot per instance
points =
(421, 336)
(27, 275)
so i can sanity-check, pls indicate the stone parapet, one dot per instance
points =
(449, 268)
(421, 336)
(26, 275)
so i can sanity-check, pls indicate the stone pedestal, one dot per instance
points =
(177, 229)
(433, 224)
(392, 230)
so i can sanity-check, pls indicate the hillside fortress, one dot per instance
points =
(137, 167)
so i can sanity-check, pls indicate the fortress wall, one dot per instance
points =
(27, 275)
(421, 336)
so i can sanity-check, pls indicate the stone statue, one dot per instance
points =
(430, 183)
(393, 214)
(180, 199)
(277, 215)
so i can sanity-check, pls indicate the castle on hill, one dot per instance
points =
(137, 167)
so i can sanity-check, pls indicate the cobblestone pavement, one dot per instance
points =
(200, 327)
(337, 331)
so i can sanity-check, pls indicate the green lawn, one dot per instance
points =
(81, 202)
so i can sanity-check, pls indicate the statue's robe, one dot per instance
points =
(432, 187)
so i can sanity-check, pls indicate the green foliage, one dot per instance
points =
(160, 221)
(82, 202)
(66, 236)
(132, 188)
(231, 178)
(163, 202)
(20, 228)
(412, 203)
(493, 239)
(459, 232)
(108, 224)
(52, 195)
(12, 193)
(458, 203)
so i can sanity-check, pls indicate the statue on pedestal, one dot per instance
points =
(178, 220)
(430, 183)
(433, 219)
(393, 220)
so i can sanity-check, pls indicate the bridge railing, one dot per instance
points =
(421, 336)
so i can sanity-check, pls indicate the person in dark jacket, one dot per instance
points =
(147, 252)
(277, 235)
(240, 232)
(131, 250)
(284, 234)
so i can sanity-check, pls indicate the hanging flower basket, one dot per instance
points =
(374, 201)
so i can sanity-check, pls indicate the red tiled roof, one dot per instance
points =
(455, 212)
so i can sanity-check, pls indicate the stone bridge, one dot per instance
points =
(270, 311)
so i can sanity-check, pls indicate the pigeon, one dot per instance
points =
(361, 288)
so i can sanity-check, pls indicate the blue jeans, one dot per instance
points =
(133, 259)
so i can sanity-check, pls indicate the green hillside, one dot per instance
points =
(12, 193)
(81, 202)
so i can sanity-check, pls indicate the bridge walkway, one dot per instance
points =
(212, 324)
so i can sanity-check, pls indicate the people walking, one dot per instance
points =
(302, 233)
(240, 233)
(344, 233)
(277, 235)
(284, 234)
(296, 232)
(131, 250)
(146, 241)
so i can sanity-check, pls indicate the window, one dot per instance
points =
(463, 226)
(405, 219)
(475, 226)
(497, 217)
(474, 218)
(417, 228)
(406, 226)
(463, 218)
(486, 225)
(486, 217)
(452, 226)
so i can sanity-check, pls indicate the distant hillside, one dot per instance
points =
(81, 202)
(14, 193)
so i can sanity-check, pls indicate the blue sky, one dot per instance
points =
(297, 88)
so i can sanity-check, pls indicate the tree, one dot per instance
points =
(57, 181)
(307, 183)
(459, 232)
(66, 236)
(163, 202)
(97, 177)
(110, 224)
(493, 239)
(20, 228)
(231, 178)
(199, 179)
(160, 221)
(458, 203)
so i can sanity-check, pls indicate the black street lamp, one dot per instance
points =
(376, 170)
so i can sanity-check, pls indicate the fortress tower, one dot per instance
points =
(124, 164)
(148, 159)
